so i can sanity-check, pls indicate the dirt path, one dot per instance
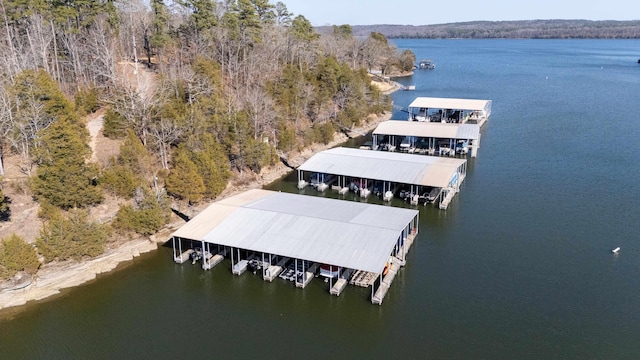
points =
(94, 125)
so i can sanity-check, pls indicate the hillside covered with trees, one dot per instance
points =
(195, 92)
(523, 29)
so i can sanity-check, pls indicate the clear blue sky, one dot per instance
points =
(425, 12)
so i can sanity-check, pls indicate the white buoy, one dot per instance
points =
(615, 251)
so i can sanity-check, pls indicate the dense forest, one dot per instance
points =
(194, 91)
(524, 29)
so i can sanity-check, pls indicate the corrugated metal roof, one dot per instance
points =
(387, 166)
(453, 104)
(343, 233)
(428, 129)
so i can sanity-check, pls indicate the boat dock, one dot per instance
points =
(413, 177)
(427, 138)
(450, 110)
(273, 232)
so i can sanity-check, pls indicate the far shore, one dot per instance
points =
(53, 277)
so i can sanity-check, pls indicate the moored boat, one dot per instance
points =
(329, 271)
(426, 64)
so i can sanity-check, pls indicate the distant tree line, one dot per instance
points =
(195, 91)
(524, 29)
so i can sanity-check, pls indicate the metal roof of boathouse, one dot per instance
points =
(450, 103)
(400, 168)
(428, 129)
(337, 232)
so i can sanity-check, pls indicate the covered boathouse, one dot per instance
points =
(358, 243)
(427, 137)
(429, 178)
(449, 110)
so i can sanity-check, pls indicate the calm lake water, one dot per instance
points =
(518, 267)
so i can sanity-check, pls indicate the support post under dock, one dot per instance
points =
(386, 283)
(308, 276)
(444, 204)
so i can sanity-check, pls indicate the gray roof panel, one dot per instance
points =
(343, 233)
(386, 166)
(450, 103)
(428, 129)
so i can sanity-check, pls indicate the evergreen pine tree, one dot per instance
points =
(4, 207)
(184, 181)
(64, 178)
(16, 255)
(72, 237)
(213, 166)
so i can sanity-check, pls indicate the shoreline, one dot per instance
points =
(52, 278)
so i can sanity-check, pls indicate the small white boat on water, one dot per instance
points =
(615, 251)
